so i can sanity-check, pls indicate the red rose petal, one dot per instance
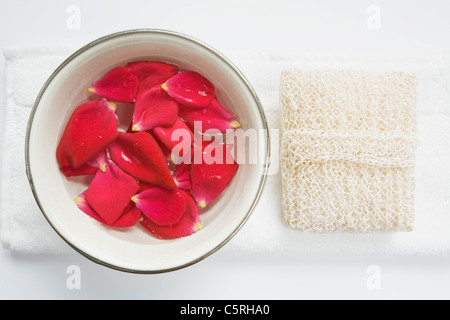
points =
(86, 208)
(90, 129)
(151, 74)
(166, 152)
(216, 108)
(212, 117)
(209, 178)
(154, 108)
(120, 84)
(190, 89)
(128, 218)
(177, 135)
(84, 170)
(100, 161)
(164, 207)
(189, 223)
(145, 186)
(110, 192)
(182, 176)
(139, 155)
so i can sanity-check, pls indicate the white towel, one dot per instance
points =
(24, 229)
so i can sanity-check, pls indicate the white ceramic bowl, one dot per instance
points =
(134, 249)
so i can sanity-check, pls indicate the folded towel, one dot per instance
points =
(24, 229)
(348, 150)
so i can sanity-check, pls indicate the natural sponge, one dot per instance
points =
(348, 150)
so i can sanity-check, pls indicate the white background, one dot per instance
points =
(407, 27)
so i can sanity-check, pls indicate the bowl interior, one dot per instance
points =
(134, 249)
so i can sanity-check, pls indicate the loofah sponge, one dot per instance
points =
(348, 150)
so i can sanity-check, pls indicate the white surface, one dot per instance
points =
(419, 27)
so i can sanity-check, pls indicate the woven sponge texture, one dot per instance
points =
(348, 150)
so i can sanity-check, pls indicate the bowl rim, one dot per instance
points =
(265, 165)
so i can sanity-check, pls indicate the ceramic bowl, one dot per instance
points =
(134, 249)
